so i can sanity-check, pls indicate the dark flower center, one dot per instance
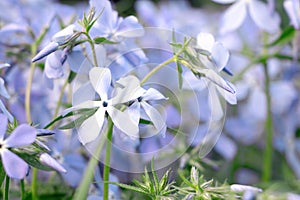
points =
(104, 104)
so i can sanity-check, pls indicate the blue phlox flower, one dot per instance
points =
(100, 79)
(22, 136)
(259, 11)
(111, 26)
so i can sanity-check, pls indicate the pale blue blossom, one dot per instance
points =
(259, 12)
(111, 26)
(100, 78)
(22, 136)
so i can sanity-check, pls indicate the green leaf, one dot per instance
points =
(33, 160)
(286, 36)
(103, 40)
(2, 174)
(77, 122)
(155, 178)
(129, 187)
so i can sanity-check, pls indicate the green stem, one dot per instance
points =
(22, 189)
(82, 191)
(170, 60)
(34, 184)
(107, 160)
(6, 188)
(267, 169)
(157, 68)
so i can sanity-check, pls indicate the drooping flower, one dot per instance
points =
(100, 79)
(214, 57)
(259, 11)
(22, 136)
(58, 39)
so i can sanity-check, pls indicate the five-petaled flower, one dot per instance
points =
(100, 78)
(22, 136)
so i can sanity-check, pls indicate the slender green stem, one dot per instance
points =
(22, 189)
(82, 191)
(6, 188)
(156, 69)
(267, 169)
(89, 39)
(34, 184)
(170, 60)
(107, 160)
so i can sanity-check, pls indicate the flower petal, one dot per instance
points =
(220, 56)
(91, 127)
(3, 65)
(134, 112)
(233, 17)
(51, 162)
(123, 121)
(153, 94)
(101, 80)
(14, 166)
(228, 96)
(205, 41)
(50, 48)
(263, 17)
(23, 135)
(155, 117)
(53, 66)
(130, 27)
(217, 79)
(3, 91)
(63, 35)
(5, 111)
(3, 126)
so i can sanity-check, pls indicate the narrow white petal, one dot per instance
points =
(134, 112)
(228, 96)
(51, 162)
(63, 35)
(153, 94)
(85, 93)
(155, 117)
(290, 9)
(101, 80)
(91, 127)
(3, 91)
(123, 121)
(233, 17)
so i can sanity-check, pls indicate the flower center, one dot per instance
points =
(140, 99)
(104, 104)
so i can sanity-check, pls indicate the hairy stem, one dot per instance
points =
(107, 160)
